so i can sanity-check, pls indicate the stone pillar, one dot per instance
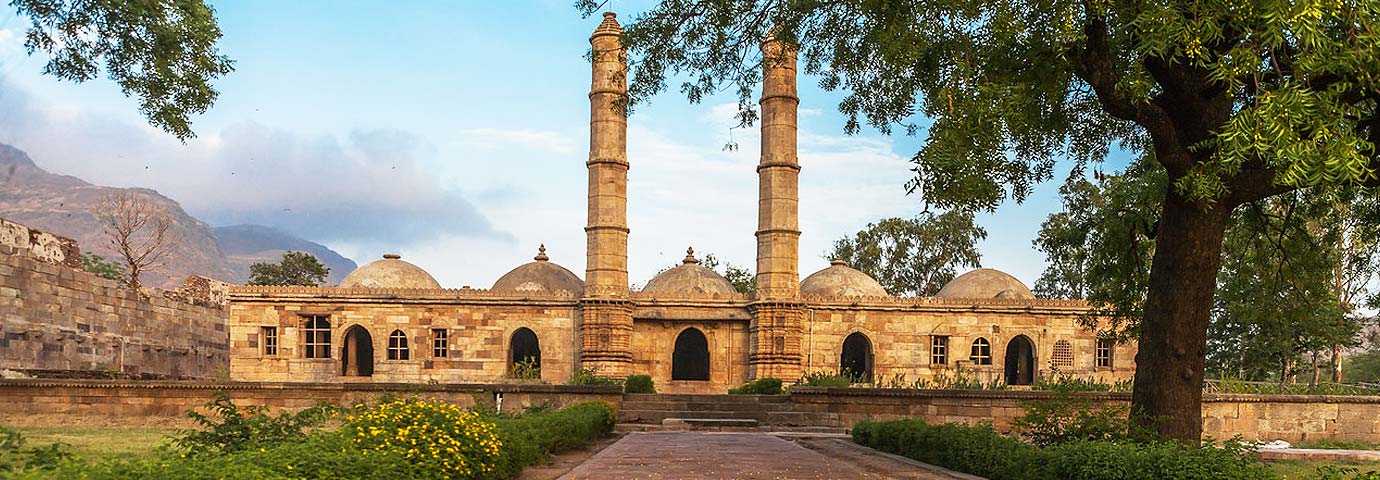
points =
(606, 313)
(778, 311)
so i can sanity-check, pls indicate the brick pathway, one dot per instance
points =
(698, 455)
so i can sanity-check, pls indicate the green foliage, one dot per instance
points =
(761, 386)
(296, 268)
(913, 257)
(742, 279)
(1228, 384)
(1363, 367)
(982, 451)
(231, 428)
(639, 384)
(528, 439)
(825, 379)
(1338, 472)
(161, 52)
(436, 436)
(1070, 383)
(528, 369)
(1068, 418)
(590, 376)
(103, 268)
(16, 458)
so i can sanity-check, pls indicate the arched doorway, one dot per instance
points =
(690, 359)
(357, 354)
(856, 360)
(525, 354)
(1020, 361)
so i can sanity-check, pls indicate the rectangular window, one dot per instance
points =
(317, 333)
(1104, 352)
(440, 343)
(270, 336)
(939, 350)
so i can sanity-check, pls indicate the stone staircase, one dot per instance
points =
(679, 412)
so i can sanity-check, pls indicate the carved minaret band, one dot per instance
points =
(606, 323)
(778, 311)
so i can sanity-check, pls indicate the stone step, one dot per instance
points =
(698, 406)
(706, 398)
(770, 418)
(710, 422)
(774, 429)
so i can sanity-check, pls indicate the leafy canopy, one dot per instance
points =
(296, 268)
(103, 268)
(914, 257)
(161, 51)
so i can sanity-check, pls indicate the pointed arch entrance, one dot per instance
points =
(690, 359)
(856, 360)
(357, 353)
(524, 349)
(1020, 361)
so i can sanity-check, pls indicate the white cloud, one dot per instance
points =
(10, 41)
(494, 138)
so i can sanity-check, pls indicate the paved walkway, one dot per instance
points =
(704, 455)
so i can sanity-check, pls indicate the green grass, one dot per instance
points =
(99, 442)
(1307, 470)
(1333, 444)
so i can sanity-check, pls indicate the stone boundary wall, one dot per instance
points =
(173, 399)
(1253, 417)
(56, 318)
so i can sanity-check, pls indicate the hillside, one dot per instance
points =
(62, 204)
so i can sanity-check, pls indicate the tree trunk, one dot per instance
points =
(1167, 392)
(1336, 363)
(1317, 372)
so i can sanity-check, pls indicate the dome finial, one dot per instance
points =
(541, 254)
(392, 256)
(837, 261)
(690, 256)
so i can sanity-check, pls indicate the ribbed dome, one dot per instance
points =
(540, 276)
(839, 280)
(391, 272)
(689, 277)
(985, 283)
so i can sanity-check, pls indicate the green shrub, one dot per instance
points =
(528, 439)
(761, 386)
(982, 451)
(1070, 383)
(823, 379)
(590, 376)
(15, 457)
(1067, 418)
(639, 384)
(528, 369)
(434, 435)
(231, 428)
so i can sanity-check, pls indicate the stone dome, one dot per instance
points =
(539, 275)
(689, 277)
(840, 280)
(391, 272)
(985, 283)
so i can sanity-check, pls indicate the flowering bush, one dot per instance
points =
(433, 434)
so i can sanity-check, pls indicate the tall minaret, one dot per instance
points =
(606, 314)
(778, 311)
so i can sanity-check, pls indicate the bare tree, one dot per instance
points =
(139, 231)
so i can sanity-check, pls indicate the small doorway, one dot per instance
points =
(525, 354)
(357, 354)
(856, 360)
(1020, 361)
(690, 359)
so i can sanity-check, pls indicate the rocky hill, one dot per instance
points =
(62, 204)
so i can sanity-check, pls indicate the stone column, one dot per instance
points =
(606, 313)
(778, 311)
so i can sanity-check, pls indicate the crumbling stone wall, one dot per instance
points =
(56, 320)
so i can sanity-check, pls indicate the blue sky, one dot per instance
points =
(456, 133)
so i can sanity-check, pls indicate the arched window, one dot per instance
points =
(1062, 355)
(397, 345)
(524, 354)
(856, 360)
(690, 359)
(981, 354)
(317, 333)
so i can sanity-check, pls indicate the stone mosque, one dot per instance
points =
(390, 321)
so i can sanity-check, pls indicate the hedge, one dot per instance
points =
(761, 386)
(984, 452)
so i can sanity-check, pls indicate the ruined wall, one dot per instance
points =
(479, 327)
(44, 246)
(59, 320)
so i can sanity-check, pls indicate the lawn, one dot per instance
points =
(99, 442)
(1301, 469)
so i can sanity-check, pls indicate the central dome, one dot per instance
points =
(539, 275)
(985, 283)
(839, 280)
(689, 278)
(391, 272)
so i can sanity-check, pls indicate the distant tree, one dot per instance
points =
(296, 268)
(139, 231)
(162, 52)
(742, 279)
(1364, 367)
(914, 257)
(103, 268)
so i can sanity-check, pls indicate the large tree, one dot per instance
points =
(295, 268)
(915, 256)
(139, 231)
(1235, 101)
(162, 52)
